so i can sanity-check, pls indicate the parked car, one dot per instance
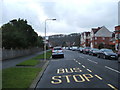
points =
(86, 50)
(69, 48)
(63, 48)
(78, 48)
(66, 48)
(94, 51)
(74, 48)
(118, 55)
(57, 52)
(107, 54)
(81, 49)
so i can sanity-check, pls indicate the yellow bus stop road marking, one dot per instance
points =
(98, 77)
(112, 86)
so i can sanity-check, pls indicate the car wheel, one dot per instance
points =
(104, 56)
(53, 57)
(62, 56)
(98, 56)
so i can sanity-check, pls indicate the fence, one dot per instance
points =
(9, 54)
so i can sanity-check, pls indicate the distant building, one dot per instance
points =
(100, 36)
(85, 39)
(64, 40)
(117, 37)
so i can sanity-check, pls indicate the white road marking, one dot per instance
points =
(89, 70)
(81, 57)
(83, 66)
(112, 69)
(79, 63)
(92, 61)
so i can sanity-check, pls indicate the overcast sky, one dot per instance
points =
(73, 16)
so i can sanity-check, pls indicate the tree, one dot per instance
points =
(101, 45)
(18, 34)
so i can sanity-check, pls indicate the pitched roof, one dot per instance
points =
(103, 32)
(96, 29)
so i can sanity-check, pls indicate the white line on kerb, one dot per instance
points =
(112, 69)
(92, 61)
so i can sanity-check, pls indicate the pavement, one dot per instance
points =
(12, 62)
(79, 70)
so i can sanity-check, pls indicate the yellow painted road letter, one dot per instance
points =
(60, 71)
(87, 76)
(67, 78)
(76, 80)
(56, 80)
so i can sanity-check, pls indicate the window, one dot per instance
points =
(95, 43)
(116, 36)
(103, 38)
(95, 38)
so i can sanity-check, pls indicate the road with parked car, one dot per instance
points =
(80, 69)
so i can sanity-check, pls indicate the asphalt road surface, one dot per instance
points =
(79, 70)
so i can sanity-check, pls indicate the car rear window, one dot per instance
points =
(57, 48)
(87, 48)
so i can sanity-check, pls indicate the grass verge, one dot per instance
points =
(34, 61)
(31, 62)
(19, 77)
(41, 56)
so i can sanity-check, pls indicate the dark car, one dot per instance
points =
(86, 50)
(118, 55)
(94, 51)
(107, 54)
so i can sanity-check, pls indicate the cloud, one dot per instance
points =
(71, 15)
(85, 14)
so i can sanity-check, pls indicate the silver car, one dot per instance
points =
(57, 52)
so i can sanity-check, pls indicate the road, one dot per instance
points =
(79, 70)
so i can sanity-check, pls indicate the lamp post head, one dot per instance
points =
(53, 19)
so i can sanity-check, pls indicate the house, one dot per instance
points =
(85, 39)
(112, 41)
(100, 37)
(117, 37)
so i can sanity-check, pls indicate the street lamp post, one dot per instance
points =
(45, 38)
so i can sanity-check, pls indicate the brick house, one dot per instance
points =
(112, 41)
(100, 35)
(117, 37)
(85, 39)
